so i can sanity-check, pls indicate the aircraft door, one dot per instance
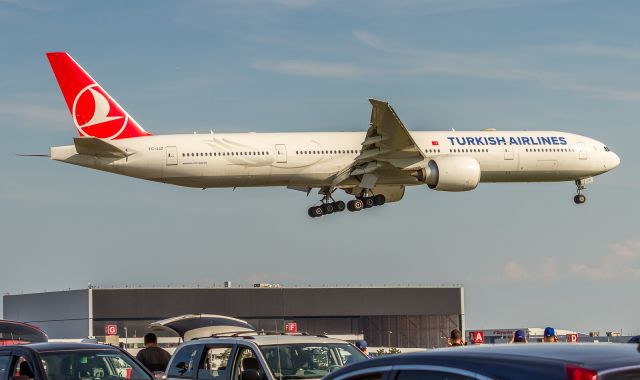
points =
(508, 152)
(582, 151)
(172, 155)
(281, 153)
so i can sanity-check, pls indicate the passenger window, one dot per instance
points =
(214, 363)
(246, 360)
(431, 375)
(22, 369)
(184, 361)
(4, 366)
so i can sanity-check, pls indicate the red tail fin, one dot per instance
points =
(94, 112)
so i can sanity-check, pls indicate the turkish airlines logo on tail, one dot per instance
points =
(95, 114)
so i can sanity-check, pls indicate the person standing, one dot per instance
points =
(519, 337)
(455, 338)
(151, 356)
(362, 346)
(550, 335)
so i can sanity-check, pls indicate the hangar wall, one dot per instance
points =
(60, 314)
(396, 316)
(400, 316)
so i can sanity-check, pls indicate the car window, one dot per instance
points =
(308, 360)
(246, 359)
(430, 375)
(4, 366)
(91, 364)
(214, 363)
(184, 362)
(22, 368)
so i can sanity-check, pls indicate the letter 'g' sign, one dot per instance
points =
(111, 330)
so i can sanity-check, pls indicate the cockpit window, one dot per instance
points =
(606, 149)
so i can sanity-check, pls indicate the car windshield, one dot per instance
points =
(309, 360)
(91, 364)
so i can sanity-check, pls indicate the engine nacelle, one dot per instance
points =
(450, 173)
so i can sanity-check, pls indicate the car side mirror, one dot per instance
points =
(250, 374)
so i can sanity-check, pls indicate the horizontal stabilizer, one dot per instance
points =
(92, 146)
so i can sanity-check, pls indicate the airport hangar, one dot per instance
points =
(413, 316)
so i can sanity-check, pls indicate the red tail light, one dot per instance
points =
(579, 373)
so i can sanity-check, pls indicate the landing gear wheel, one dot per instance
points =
(368, 202)
(355, 205)
(379, 199)
(350, 206)
(328, 208)
(339, 206)
(315, 211)
(579, 199)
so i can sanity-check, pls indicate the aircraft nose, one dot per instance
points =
(614, 160)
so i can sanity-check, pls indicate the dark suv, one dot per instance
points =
(69, 361)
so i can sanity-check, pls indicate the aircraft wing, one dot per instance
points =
(388, 149)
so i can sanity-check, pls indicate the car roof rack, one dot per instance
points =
(235, 334)
(300, 333)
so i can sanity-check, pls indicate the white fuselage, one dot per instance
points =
(311, 159)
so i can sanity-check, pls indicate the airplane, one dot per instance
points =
(374, 167)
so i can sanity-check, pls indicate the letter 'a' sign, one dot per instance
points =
(572, 338)
(291, 327)
(476, 337)
(111, 330)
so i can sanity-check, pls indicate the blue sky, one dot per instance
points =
(525, 253)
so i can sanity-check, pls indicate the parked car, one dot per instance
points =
(12, 332)
(69, 361)
(261, 357)
(634, 339)
(603, 361)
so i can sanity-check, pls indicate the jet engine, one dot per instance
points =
(450, 173)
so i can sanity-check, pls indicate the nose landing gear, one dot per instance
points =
(580, 185)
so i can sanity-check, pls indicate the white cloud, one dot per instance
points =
(622, 262)
(590, 49)
(311, 68)
(36, 113)
(516, 271)
(368, 39)
(507, 66)
(32, 5)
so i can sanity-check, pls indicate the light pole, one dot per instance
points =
(390, 332)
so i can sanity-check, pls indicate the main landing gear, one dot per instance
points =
(581, 198)
(329, 206)
(363, 202)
